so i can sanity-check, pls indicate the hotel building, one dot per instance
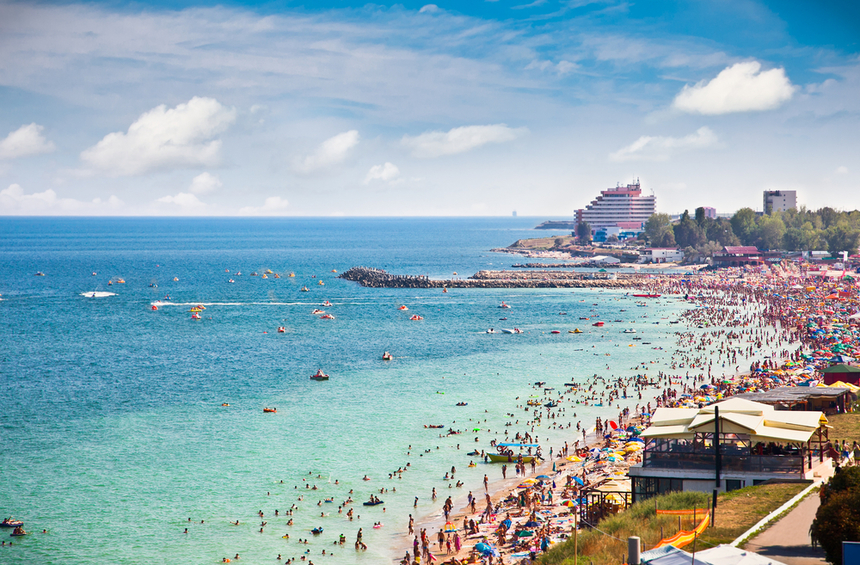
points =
(621, 207)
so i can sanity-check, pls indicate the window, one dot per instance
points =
(734, 484)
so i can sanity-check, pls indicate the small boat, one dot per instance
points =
(305, 289)
(238, 273)
(403, 307)
(416, 318)
(503, 319)
(562, 313)
(326, 317)
(265, 276)
(18, 531)
(319, 376)
(94, 273)
(576, 331)
(175, 279)
(225, 404)
(231, 281)
(647, 295)
(462, 404)
(270, 410)
(277, 276)
(555, 332)
(254, 274)
(334, 270)
(195, 316)
(120, 281)
(503, 305)
(268, 271)
(195, 309)
(317, 531)
(292, 274)
(387, 356)
(491, 331)
(584, 318)
(551, 404)
(326, 303)
(506, 453)
(374, 502)
(321, 283)
(154, 307)
(444, 289)
(282, 329)
(377, 526)
(318, 311)
(629, 331)
(11, 523)
(597, 324)
(540, 383)
(39, 274)
(435, 427)
(512, 331)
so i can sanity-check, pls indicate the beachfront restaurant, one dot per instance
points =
(729, 445)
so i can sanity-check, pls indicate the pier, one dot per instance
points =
(378, 278)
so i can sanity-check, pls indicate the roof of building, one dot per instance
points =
(842, 368)
(761, 422)
(741, 249)
(792, 394)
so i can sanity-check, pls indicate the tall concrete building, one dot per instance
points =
(779, 200)
(623, 207)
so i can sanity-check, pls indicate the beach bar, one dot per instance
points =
(729, 445)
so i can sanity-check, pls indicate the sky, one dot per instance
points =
(466, 108)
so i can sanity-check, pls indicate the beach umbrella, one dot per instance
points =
(568, 503)
(578, 480)
(483, 548)
(543, 477)
(507, 522)
(532, 524)
(525, 534)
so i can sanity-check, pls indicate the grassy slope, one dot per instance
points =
(737, 511)
(845, 426)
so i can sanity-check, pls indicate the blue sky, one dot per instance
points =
(461, 108)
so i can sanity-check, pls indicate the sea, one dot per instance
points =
(114, 434)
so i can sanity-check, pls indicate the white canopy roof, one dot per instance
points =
(761, 422)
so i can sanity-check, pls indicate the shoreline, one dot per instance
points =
(778, 335)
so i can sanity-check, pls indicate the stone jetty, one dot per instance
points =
(377, 278)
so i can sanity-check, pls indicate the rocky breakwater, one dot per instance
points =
(377, 278)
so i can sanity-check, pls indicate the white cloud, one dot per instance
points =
(330, 152)
(273, 206)
(183, 199)
(25, 141)
(560, 68)
(843, 170)
(459, 140)
(739, 88)
(428, 9)
(648, 148)
(203, 183)
(13, 201)
(387, 172)
(164, 139)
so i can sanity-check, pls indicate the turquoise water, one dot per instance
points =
(113, 433)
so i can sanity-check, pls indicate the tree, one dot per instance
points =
(583, 232)
(612, 238)
(744, 225)
(559, 241)
(688, 233)
(771, 231)
(838, 517)
(656, 226)
(841, 238)
(667, 239)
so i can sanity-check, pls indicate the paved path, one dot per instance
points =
(788, 540)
